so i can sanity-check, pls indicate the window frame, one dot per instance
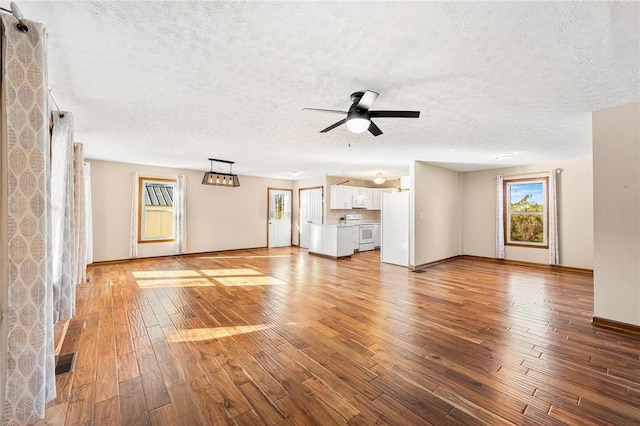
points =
(506, 212)
(142, 209)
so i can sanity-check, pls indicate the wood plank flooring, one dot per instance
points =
(278, 337)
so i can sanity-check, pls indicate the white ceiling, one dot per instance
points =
(173, 83)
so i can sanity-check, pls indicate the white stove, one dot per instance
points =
(365, 232)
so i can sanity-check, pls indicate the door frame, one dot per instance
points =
(321, 187)
(291, 217)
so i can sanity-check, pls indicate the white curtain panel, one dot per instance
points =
(80, 215)
(133, 231)
(63, 244)
(181, 219)
(499, 217)
(28, 380)
(88, 212)
(554, 252)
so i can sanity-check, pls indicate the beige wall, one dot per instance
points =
(575, 214)
(616, 176)
(434, 214)
(218, 218)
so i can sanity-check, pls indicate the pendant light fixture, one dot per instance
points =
(218, 178)
(379, 180)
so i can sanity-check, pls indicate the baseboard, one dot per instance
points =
(434, 263)
(529, 264)
(326, 256)
(170, 256)
(621, 327)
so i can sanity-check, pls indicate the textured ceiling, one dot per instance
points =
(173, 83)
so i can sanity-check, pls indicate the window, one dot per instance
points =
(525, 210)
(157, 210)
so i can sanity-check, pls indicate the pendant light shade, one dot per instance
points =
(379, 180)
(218, 178)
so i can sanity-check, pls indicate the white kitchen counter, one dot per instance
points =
(331, 240)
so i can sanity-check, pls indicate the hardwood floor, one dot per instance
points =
(279, 337)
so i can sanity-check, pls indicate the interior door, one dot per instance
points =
(279, 229)
(310, 211)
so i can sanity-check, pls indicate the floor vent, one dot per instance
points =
(65, 363)
(418, 271)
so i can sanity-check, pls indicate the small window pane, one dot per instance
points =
(157, 218)
(527, 197)
(527, 228)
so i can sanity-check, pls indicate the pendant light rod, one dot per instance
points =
(222, 161)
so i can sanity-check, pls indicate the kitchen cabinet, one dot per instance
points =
(405, 182)
(331, 240)
(376, 197)
(341, 197)
(361, 197)
(345, 197)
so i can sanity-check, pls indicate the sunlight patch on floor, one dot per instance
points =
(249, 281)
(199, 334)
(188, 282)
(228, 272)
(166, 274)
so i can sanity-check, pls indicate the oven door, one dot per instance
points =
(367, 241)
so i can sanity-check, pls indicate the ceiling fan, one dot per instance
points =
(359, 116)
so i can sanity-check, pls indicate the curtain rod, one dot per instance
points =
(15, 11)
(60, 113)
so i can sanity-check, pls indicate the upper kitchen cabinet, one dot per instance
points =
(376, 197)
(345, 197)
(341, 197)
(361, 197)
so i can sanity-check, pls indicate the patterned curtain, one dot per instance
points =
(133, 231)
(80, 216)
(499, 217)
(63, 245)
(27, 296)
(181, 216)
(88, 212)
(554, 250)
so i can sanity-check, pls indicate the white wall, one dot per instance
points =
(575, 214)
(616, 175)
(434, 214)
(218, 218)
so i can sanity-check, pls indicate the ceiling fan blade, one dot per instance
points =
(367, 100)
(400, 114)
(375, 130)
(333, 126)
(325, 110)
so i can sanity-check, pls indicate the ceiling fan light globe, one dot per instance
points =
(358, 125)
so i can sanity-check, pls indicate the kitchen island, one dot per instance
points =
(333, 241)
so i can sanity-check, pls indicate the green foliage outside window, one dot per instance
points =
(527, 228)
(526, 214)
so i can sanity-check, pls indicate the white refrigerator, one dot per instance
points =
(394, 246)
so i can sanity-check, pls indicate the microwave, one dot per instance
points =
(360, 202)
